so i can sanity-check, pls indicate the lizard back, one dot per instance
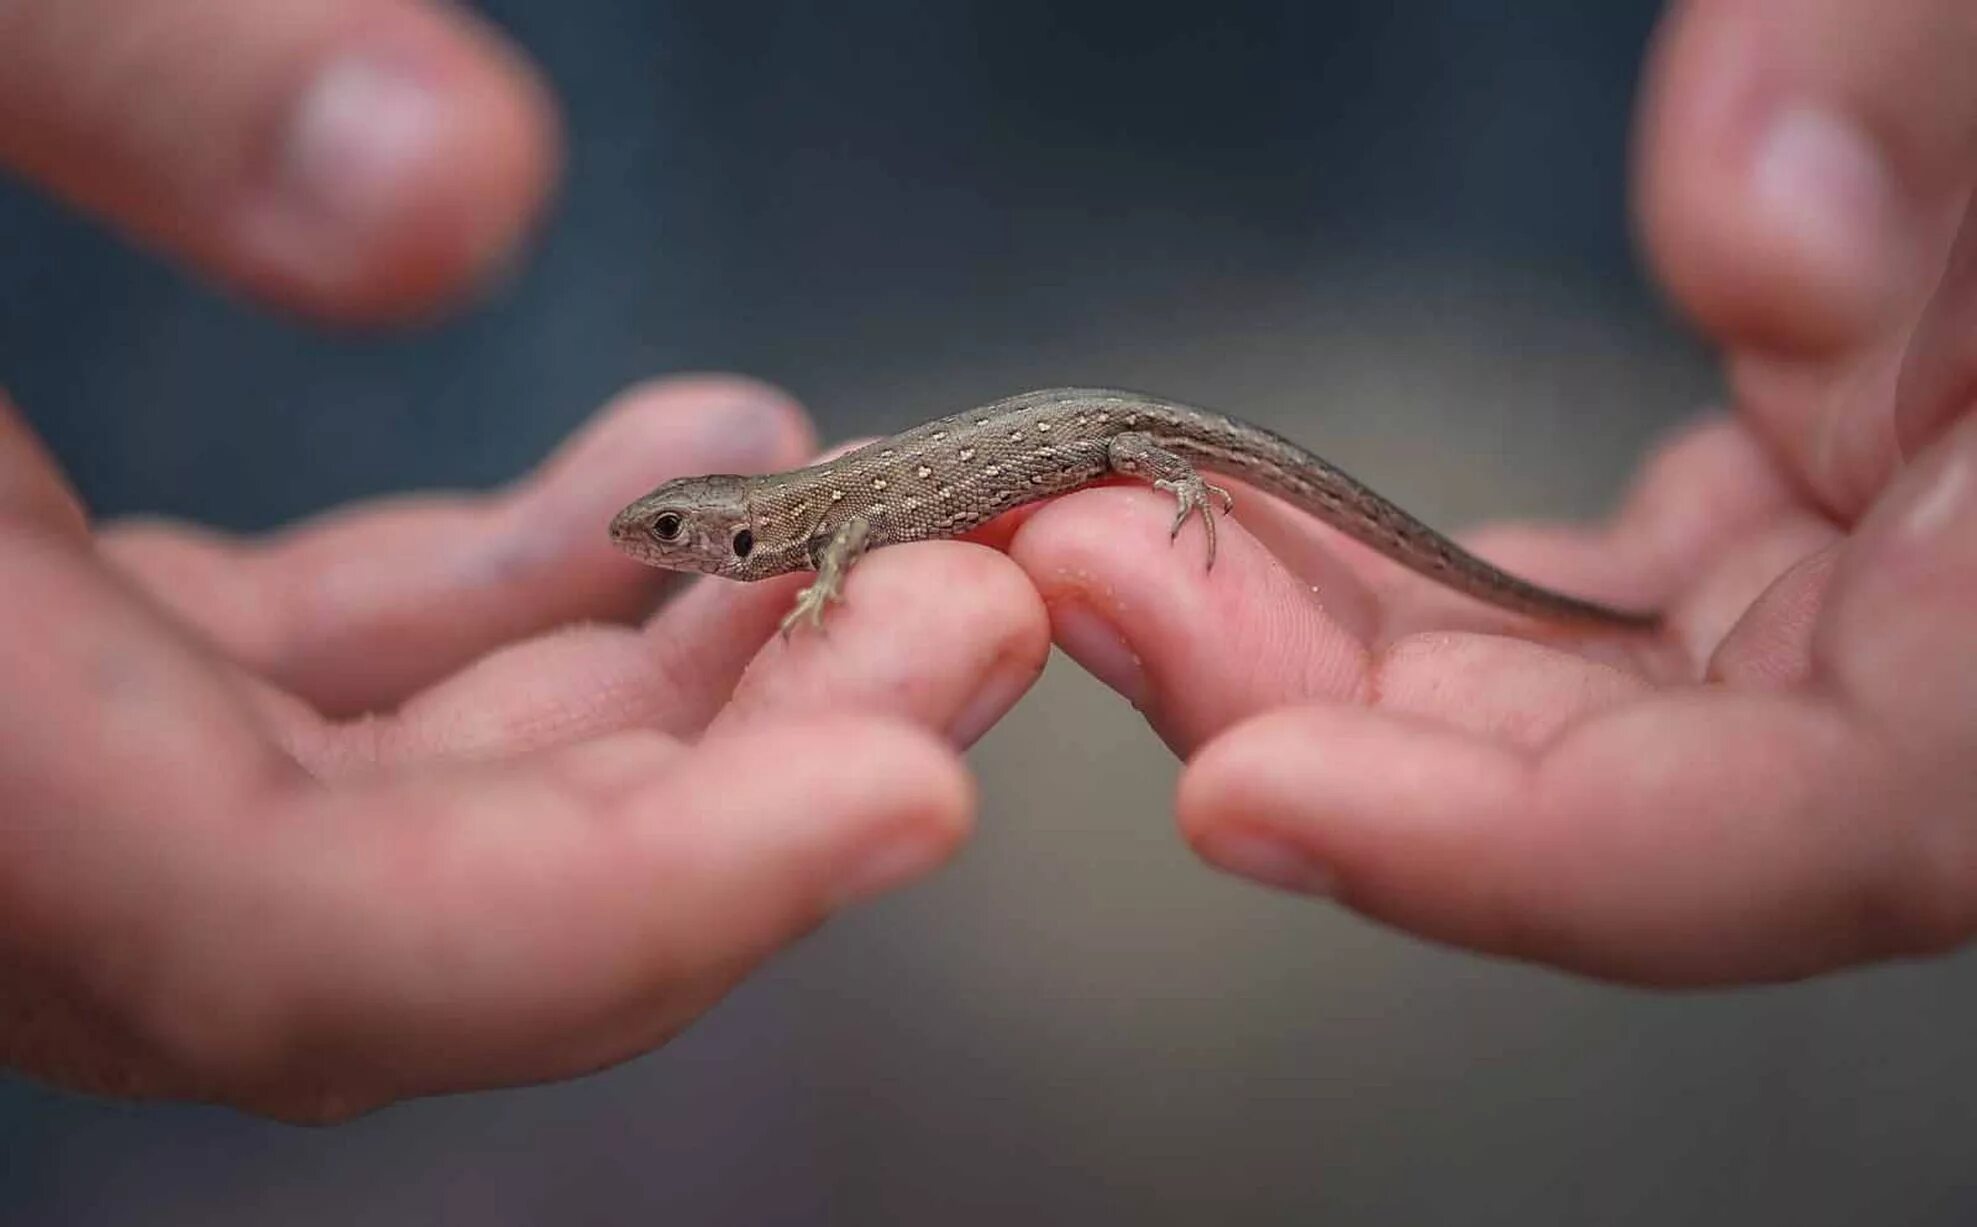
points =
(955, 473)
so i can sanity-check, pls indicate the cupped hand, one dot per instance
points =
(1783, 781)
(405, 800)
(347, 159)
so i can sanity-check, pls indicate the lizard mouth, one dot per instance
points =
(629, 536)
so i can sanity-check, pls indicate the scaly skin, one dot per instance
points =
(953, 474)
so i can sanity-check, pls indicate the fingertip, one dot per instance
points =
(666, 427)
(945, 634)
(1233, 811)
(1328, 768)
(1767, 203)
(662, 428)
(1195, 648)
(1231, 778)
(730, 423)
(1234, 788)
(1397, 817)
(409, 167)
(1706, 483)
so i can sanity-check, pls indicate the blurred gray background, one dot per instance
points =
(1397, 232)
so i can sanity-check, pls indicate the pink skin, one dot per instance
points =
(550, 849)
(346, 159)
(553, 847)
(1780, 785)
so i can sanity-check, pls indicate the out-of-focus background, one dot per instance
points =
(1395, 231)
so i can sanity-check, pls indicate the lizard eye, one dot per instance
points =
(744, 542)
(668, 525)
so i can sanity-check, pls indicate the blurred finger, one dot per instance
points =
(505, 923)
(1690, 839)
(1803, 163)
(32, 488)
(118, 743)
(357, 610)
(1900, 604)
(1819, 818)
(1938, 383)
(350, 160)
(1706, 485)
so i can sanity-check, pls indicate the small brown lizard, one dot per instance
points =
(948, 476)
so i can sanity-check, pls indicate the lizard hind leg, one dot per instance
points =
(1140, 455)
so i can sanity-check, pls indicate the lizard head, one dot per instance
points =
(692, 524)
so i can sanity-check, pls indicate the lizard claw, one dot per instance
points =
(810, 605)
(834, 558)
(1196, 497)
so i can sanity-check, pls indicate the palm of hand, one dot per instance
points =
(546, 853)
(1776, 785)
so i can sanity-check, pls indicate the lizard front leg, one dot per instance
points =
(832, 557)
(1140, 455)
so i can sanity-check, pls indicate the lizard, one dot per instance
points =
(950, 475)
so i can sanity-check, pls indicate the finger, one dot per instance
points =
(1769, 647)
(1711, 523)
(1701, 836)
(946, 636)
(105, 700)
(331, 949)
(33, 492)
(356, 611)
(1896, 635)
(1802, 165)
(1709, 483)
(1197, 650)
(117, 739)
(350, 160)
(1938, 381)
(1685, 840)
(568, 686)
(1194, 649)
(514, 922)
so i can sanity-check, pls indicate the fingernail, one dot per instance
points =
(1098, 648)
(894, 861)
(1267, 859)
(1823, 182)
(992, 700)
(356, 140)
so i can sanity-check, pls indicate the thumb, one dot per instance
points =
(352, 159)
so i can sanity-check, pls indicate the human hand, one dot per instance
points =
(1780, 784)
(546, 850)
(348, 159)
